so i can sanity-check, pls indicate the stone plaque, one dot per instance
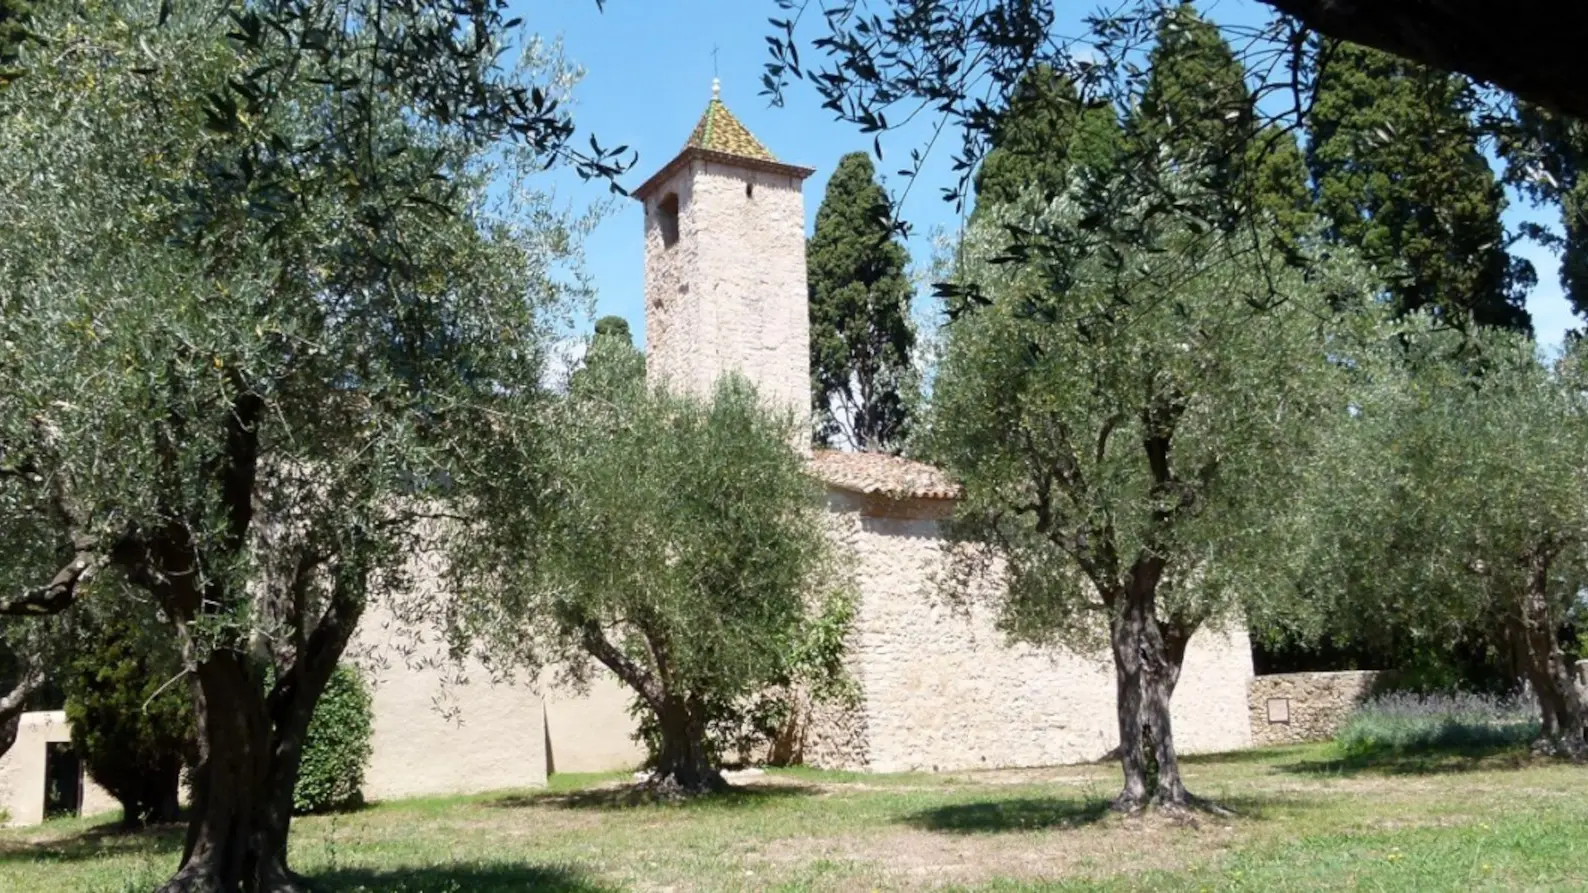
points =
(1279, 710)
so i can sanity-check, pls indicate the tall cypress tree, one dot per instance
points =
(1042, 137)
(1197, 111)
(614, 327)
(862, 380)
(1397, 169)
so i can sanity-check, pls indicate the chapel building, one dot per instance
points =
(940, 687)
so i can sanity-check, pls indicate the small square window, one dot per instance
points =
(1279, 710)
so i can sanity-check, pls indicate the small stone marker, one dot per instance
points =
(1279, 710)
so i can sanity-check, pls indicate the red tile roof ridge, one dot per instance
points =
(882, 474)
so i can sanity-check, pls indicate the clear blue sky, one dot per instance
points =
(648, 70)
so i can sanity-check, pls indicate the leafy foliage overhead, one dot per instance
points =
(1547, 156)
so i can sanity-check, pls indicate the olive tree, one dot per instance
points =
(686, 554)
(1452, 499)
(1126, 418)
(265, 270)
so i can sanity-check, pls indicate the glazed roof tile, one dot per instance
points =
(720, 131)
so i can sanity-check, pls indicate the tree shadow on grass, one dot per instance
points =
(96, 842)
(1250, 756)
(632, 796)
(1023, 814)
(1054, 813)
(460, 878)
(1441, 761)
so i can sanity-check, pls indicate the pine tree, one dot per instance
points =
(862, 379)
(1397, 169)
(1197, 112)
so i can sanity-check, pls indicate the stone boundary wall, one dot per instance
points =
(1290, 708)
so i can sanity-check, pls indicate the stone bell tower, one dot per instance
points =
(725, 282)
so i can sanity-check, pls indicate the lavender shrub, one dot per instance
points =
(1404, 722)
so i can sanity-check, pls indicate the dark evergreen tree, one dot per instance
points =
(614, 327)
(1548, 156)
(1197, 112)
(14, 15)
(1046, 133)
(610, 352)
(131, 723)
(862, 379)
(1396, 165)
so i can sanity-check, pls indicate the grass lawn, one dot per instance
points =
(1308, 821)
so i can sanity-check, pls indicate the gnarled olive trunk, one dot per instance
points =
(684, 764)
(1146, 669)
(1532, 632)
(230, 846)
(250, 746)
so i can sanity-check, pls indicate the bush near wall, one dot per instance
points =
(336, 750)
(131, 723)
(1409, 723)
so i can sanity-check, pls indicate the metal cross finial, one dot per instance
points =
(716, 85)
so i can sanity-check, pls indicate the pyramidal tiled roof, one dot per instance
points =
(719, 136)
(720, 131)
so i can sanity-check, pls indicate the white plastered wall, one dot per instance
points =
(591, 730)
(439, 728)
(22, 771)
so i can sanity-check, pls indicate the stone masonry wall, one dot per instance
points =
(671, 307)
(943, 689)
(730, 295)
(1290, 708)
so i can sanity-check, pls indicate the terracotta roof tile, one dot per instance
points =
(882, 474)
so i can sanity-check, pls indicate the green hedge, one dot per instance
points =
(132, 722)
(337, 748)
